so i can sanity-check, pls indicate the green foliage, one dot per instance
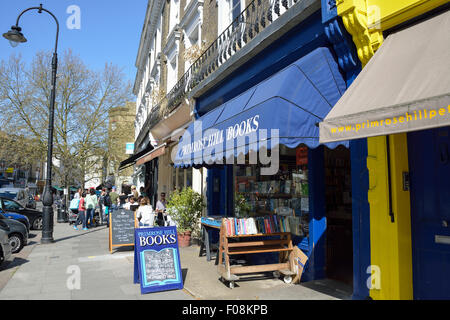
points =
(242, 207)
(185, 208)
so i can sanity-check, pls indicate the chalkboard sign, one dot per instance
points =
(122, 223)
(157, 259)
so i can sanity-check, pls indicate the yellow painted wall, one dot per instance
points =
(394, 12)
(390, 241)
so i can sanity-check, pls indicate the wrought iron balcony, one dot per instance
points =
(252, 20)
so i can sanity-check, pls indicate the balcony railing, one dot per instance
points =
(251, 21)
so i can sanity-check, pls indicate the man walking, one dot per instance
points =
(114, 195)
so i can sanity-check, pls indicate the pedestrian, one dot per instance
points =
(81, 212)
(77, 194)
(142, 192)
(122, 200)
(114, 196)
(91, 204)
(145, 214)
(160, 208)
(134, 192)
(109, 205)
(101, 205)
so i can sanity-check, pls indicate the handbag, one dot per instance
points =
(74, 204)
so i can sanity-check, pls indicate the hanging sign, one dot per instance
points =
(301, 156)
(157, 259)
(129, 148)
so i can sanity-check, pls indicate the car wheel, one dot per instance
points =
(37, 223)
(16, 242)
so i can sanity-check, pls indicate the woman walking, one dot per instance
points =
(81, 212)
(91, 204)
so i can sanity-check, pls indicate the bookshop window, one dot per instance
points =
(174, 178)
(285, 193)
(181, 178)
(188, 173)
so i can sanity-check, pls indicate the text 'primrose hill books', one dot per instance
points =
(262, 225)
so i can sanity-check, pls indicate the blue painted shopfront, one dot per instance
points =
(322, 29)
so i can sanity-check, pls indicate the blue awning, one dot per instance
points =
(283, 109)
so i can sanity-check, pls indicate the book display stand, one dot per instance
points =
(230, 245)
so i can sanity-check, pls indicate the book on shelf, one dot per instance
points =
(263, 225)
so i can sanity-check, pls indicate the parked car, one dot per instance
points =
(34, 216)
(5, 247)
(20, 195)
(17, 234)
(17, 217)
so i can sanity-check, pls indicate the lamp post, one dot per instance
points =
(15, 37)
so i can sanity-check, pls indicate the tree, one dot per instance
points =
(83, 98)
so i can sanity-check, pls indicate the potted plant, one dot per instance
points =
(185, 208)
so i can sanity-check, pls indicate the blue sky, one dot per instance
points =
(110, 30)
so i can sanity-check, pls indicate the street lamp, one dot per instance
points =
(15, 37)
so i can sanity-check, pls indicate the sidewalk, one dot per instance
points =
(48, 271)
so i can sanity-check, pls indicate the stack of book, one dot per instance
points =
(262, 225)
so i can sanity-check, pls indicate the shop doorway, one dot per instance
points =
(220, 199)
(429, 165)
(339, 242)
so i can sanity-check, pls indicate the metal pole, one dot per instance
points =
(47, 211)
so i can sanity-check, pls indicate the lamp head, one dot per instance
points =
(15, 36)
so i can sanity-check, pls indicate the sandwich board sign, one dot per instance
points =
(122, 223)
(157, 259)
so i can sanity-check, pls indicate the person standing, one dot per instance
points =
(81, 212)
(101, 204)
(114, 196)
(91, 204)
(145, 214)
(134, 192)
(160, 208)
(109, 205)
(77, 194)
(142, 192)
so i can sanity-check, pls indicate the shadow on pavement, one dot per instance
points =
(184, 274)
(82, 233)
(15, 263)
(330, 287)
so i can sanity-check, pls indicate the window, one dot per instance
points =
(181, 178)
(228, 11)
(188, 177)
(11, 205)
(235, 9)
(172, 73)
(174, 17)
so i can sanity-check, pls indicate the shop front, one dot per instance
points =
(400, 102)
(263, 157)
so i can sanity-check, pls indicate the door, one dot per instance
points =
(429, 162)
(220, 191)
